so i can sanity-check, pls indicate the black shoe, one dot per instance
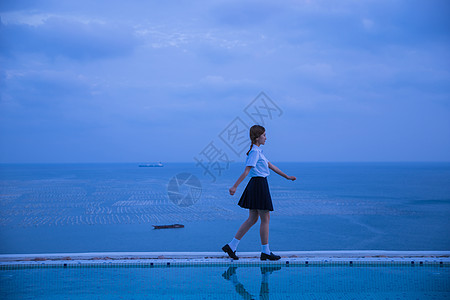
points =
(230, 253)
(269, 257)
(228, 273)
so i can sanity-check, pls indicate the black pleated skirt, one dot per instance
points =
(256, 195)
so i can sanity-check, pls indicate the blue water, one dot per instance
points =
(332, 206)
(227, 282)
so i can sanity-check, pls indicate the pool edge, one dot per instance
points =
(294, 257)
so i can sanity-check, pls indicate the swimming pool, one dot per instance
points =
(226, 280)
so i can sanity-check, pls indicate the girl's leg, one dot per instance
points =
(264, 228)
(264, 231)
(252, 219)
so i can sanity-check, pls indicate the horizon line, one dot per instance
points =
(232, 162)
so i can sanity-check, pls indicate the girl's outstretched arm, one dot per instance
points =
(279, 172)
(242, 177)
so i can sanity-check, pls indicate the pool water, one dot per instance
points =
(226, 281)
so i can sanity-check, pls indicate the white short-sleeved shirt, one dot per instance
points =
(258, 161)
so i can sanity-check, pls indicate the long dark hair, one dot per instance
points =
(255, 132)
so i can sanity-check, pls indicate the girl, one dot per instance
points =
(256, 196)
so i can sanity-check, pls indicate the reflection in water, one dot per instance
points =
(230, 275)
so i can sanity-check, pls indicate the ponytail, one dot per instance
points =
(250, 149)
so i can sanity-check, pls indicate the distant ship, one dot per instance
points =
(152, 165)
(168, 226)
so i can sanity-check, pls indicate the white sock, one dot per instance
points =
(265, 249)
(233, 244)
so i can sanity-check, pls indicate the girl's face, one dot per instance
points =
(262, 139)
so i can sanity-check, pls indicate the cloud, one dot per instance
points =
(34, 103)
(242, 14)
(6, 6)
(61, 37)
(368, 24)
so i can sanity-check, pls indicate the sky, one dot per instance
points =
(174, 81)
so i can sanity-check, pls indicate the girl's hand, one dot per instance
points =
(232, 190)
(291, 178)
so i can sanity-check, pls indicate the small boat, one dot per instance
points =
(152, 165)
(168, 226)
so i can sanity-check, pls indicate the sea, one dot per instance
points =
(67, 208)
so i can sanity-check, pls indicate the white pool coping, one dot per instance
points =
(188, 258)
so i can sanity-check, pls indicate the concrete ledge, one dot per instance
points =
(220, 257)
